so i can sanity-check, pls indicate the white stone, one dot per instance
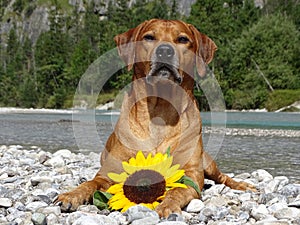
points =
(34, 206)
(262, 175)
(65, 153)
(287, 213)
(196, 205)
(55, 162)
(276, 207)
(260, 212)
(5, 202)
(245, 197)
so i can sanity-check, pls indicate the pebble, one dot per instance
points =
(5, 202)
(39, 219)
(196, 205)
(31, 178)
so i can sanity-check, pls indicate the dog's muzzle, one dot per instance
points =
(164, 64)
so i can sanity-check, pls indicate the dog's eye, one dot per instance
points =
(183, 39)
(149, 37)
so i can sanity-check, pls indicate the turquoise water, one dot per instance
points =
(253, 140)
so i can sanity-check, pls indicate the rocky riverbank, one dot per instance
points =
(31, 178)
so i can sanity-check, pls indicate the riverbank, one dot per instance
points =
(31, 178)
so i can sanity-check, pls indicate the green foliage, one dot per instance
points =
(273, 45)
(252, 43)
(281, 98)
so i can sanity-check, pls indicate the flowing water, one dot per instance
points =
(246, 141)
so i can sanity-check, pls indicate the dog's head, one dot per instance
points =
(165, 49)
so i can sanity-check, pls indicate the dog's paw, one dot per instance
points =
(244, 186)
(166, 208)
(70, 201)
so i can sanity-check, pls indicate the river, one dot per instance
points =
(239, 141)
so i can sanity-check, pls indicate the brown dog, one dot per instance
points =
(160, 111)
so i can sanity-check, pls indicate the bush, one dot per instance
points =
(281, 98)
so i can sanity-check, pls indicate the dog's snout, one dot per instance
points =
(165, 51)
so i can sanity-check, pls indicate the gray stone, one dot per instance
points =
(243, 216)
(276, 207)
(139, 212)
(217, 201)
(56, 210)
(295, 203)
(117, 216)
(291, 190)
(95, 220)
(260, 212)
(34, 206)
(52, 219)
(38, 219)
(88, 208)
(287, 213)
(172, 223)
(222, 212)
(41, 179)
(5, 202)
(175, 217)
(146, 221)
(215, 190)
(272, 223)
(196, 205)
(208, 211)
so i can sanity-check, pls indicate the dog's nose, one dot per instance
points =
(165, 51)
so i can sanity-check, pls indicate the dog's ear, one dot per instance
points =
(205, 50)
(126, 44)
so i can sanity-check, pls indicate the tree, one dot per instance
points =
(274, 45)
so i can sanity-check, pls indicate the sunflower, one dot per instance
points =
(145, 181)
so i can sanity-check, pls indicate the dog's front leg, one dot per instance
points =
(178, 198)
(175, 200)
(70, 201)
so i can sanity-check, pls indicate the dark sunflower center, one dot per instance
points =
(144, 186)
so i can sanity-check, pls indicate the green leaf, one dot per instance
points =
(100, 199)
(188, 181)
(168, 151)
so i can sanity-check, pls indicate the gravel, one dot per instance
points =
(31, 178)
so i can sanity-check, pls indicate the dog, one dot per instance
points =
(160, 111)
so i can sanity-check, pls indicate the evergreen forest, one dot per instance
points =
(257, 63)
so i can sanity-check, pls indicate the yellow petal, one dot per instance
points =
(127, 206)
(132, 162)
(175, 177)
(119, 178)
(128, 168)
(155, 204)
(174, 185)
(172, 171)
(119, 204)
(140, 159)
(165, 165)
(116, 188)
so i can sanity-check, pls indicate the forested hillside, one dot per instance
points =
(257, 63)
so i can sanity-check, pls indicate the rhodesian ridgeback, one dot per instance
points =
(159, 111)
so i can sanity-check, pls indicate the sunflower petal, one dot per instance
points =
(116, 188)
(174, 185)
(175, 177)
(126, 207)
(129, 168)
(119, 178)
(172, 171)
(140, 159)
